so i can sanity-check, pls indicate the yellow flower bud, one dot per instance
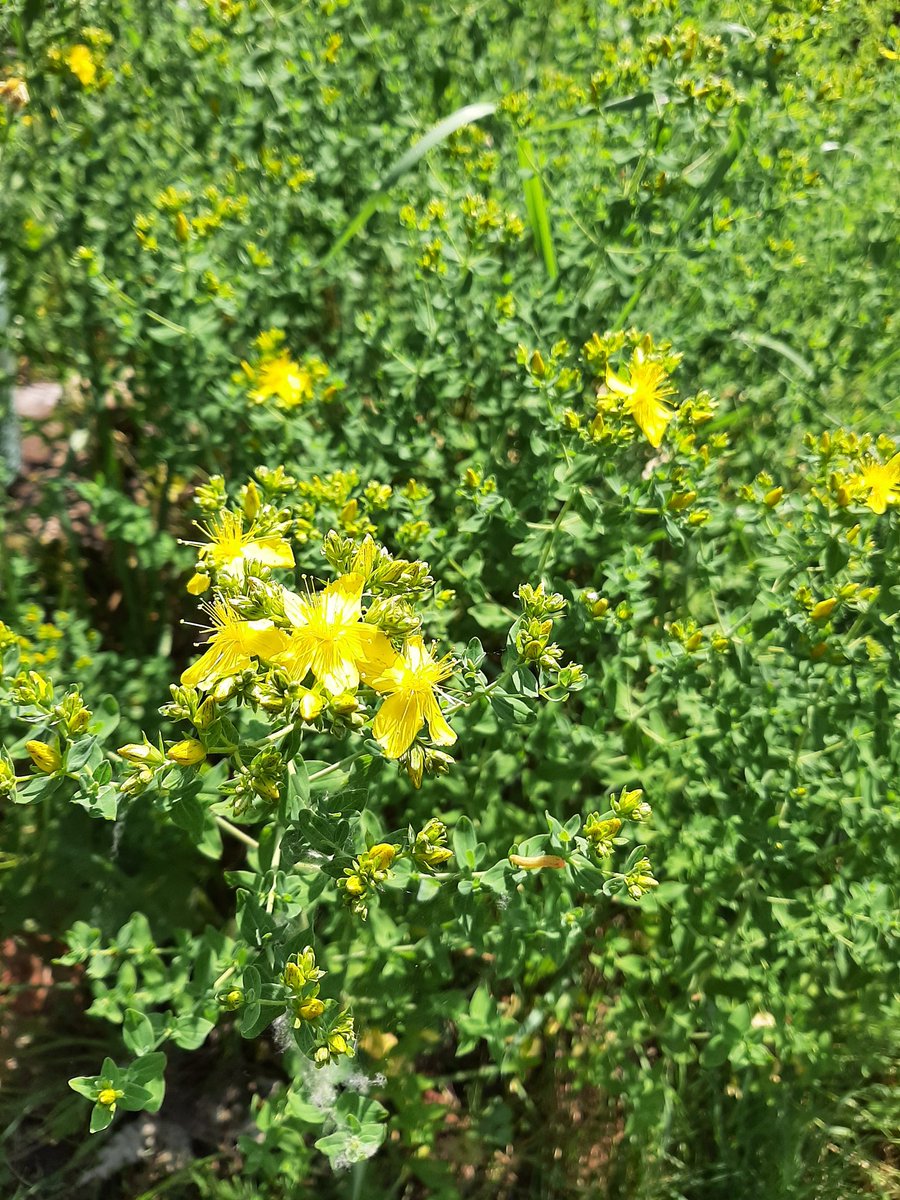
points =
(108, 1097)
(293, 976)
(182, 228)
(853, 534)
(536, 862)
(354, 886)
(538, 366)
(694, 642)
(823, 610)
(139, 752)
(251, 501)
(382, 855)
(772, 498)
(681, 501)
(44, 757)
(187, 753)
(310, 1010)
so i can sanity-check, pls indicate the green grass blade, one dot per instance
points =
(536, 207)
(466, 115)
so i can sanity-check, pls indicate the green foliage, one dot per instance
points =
(354, 294)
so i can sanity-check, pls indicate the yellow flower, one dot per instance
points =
(233, 644)
(331, 639)
(230, 547)
(410, 683)
(81, 63)
(880, 481)
(645, 391)
(284, 379)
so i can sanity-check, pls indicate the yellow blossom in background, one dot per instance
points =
(230, 546)
(81, 63)
(331, 639)
(233, 645)
(14, 92)
(644, 391)
(878, 484)
(410, 684)
(282, 378)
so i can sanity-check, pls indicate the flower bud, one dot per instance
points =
(108, 1096)
(773, 497)
(187, 753)
(537, 862)
(139, 753)
(251, 501)
(681, 501)
(310, 1010)
(182, 228)
(381, 856)
(823, 610)
(45, 758)
(7, 779)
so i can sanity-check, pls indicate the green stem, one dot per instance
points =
(276, 863)
(235, 832)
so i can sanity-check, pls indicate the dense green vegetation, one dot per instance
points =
(563, 335)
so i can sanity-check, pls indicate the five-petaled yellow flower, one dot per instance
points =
(81, 63)
(645, 391)
(879, 483)
(230, 546)
(330, 638)
(284, 379)
(233, 645)
(410, 684)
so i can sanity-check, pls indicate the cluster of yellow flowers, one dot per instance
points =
(325, 1026)
(40, 645)
(860, 469)
(278, 378)
(85, 59)
(322, 642)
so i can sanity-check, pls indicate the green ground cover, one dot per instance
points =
(561, 336)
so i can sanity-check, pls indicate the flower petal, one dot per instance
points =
(397, 722)
(441, 733)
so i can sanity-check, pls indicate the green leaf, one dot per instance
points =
(137, 1032)
(101, 1118)
(148, 1073)
(464, 842)
(536, 206)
